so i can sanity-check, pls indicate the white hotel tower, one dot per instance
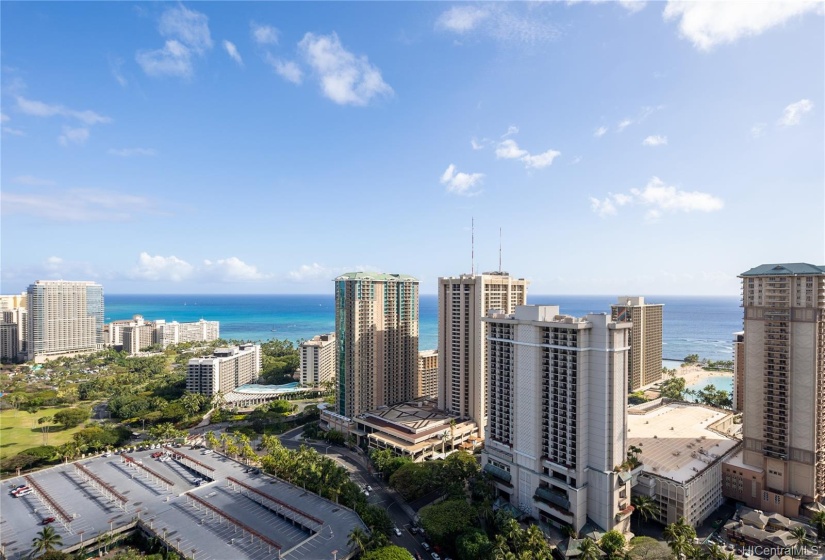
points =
(557, 429)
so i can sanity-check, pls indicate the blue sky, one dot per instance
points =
(628, 147)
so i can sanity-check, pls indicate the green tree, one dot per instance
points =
(801, 535)
(644, 507)
(674, 388)
(647, 548)
(472, 545)
(390, 552)
(357, 540)
(589, 550)
(818, 521)
(72, 417)
(691, 359)
(612, 543)
(445, 521)
(46, 540)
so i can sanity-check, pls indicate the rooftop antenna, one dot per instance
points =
(472, 246)
(499, 249)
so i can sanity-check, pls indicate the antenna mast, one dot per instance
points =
(499, 249)
(472, 246)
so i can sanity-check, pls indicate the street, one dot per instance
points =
(359, 474)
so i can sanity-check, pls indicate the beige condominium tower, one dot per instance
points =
(376, 329)
(463, 302)
(645, 339)
(784, 408)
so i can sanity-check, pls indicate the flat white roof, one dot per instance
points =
(676, 439)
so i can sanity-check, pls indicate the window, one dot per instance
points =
(765, 497)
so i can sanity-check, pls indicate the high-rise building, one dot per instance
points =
(645, 339)
(9, 342)
(19, 317)
(224, 370)
(177, 333)
(318, 359)
(738, 370)
(64, 317)
(427, 385)
(463, 302)
(557, 434)
(376, 322)
(784, 410)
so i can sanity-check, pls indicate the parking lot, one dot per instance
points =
(233, 511)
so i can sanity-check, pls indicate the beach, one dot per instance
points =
(694, 375)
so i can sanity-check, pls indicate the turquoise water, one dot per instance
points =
(724, 382)
(692, 325)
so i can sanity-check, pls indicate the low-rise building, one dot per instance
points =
(224, 370)
(683, 446)
(415, 428)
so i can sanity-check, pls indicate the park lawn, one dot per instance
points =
(16, 432)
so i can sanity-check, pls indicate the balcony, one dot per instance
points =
(555, 497)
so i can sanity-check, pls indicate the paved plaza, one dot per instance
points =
(235, 512)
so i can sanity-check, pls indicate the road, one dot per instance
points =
(359, 474)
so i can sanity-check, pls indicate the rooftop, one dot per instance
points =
(379, 276)
(785, 269)
(677, 439)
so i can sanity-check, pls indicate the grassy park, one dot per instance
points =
(19, 430)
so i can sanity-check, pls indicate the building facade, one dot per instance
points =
(19, 317)
(427, 381)
(224, 370)
(376, 321)
(63, 318)
(645, 339)
(784, 410)
(177, 333)
(463, 302)
(557, 432)
(318, 359)
(739, 371)
(9, 342)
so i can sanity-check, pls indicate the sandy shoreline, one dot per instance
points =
(694, 374)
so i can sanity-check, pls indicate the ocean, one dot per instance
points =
(692, 325)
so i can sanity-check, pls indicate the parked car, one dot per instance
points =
(397, 531)
(369, 488)
(425, 546)
(47, 520)
(23, 492)
(435, 556)
(207, 451)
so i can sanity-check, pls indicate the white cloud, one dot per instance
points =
(511, 130)
(503, 22)
(461, 183)
(115, 64)
(707, 24)
(71, 135)
(540, 161)
(345, 78)
(187, 35)
(624, 124)
(758, 130)
(13, 131)
(264, 34)
(174, 59)
(161, 268)
(656, 140)
(231, 269)
(476, 145)
(793, 112)
(131, 152)
(76, 205)
(187, 26)
(286, 69)
(633, 6)
(658, 198)
(4, 117)
(312, 272)
(461, 19)
(508, 149)
(32, 181)
(576, 160)
(232, 51)
(40, 109)
(601, 131)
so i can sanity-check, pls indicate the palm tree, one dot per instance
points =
(680, 545)
(589, 550)
(801, 536)
(716, 551)
(818, 521)
(679, 529)
(46, 540)
(358, 539)
(644, 507)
